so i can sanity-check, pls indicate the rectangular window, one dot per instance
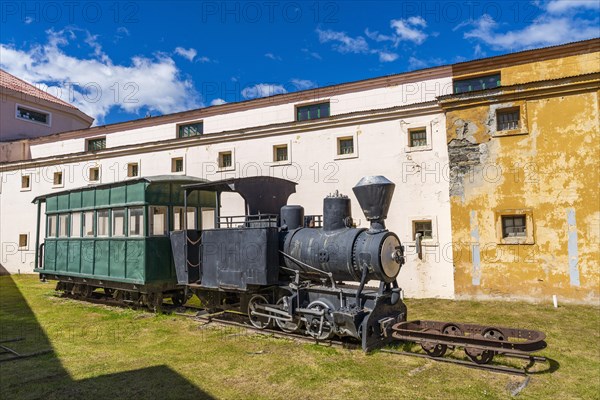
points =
(29, 114)
(345, 145)
(507, 119)
(477, 83)
(94, 174)
(312, 111)
(57, 179)
(23, 240)
(102, 224)
(158, 220)
(96, 144)
(76, 225)
(63, 225)
(88, 224)
(177, 164)
(178, 221)
(51, 226)
(424, 228)
(136, 221)
(280, 153)
(514, 226)
(208, 218)
(187, 130)
(118, 222)
(225, 159)
(132, 170)
(418, 137)
(26, 182)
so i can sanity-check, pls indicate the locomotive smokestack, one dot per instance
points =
(374, 194)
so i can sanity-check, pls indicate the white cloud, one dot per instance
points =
(217, 102)
(544, 31)
(262, 90)
(28, 20)
(303, 84)
(203, 60)
(561, 6)
(416, 63)
(478, 52)
(313, 54)
(95, 84)
(343, 43)
(387, 57)
(409, 29)
(378, 37)
(190, 53)
(273, 56)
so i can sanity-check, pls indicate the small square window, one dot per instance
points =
(424, 228)
(507, 119)
(96, 144)
(26, 182)
(23, 241)
(177, 164)
(225, 159)
(345, 146)
(514, 226)
(94, 174)
(132, 170)
(280, 153)
(187, 130)
(417, 137)
(57, 180)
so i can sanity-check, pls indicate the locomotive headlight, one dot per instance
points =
(390, 260)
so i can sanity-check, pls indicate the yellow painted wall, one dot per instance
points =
(551, 170)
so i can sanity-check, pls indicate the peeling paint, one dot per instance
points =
(476, 256)
(573, 252)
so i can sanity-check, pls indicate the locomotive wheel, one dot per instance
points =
(288, 326)
(434, 349)
(313, 324)
(256, 320)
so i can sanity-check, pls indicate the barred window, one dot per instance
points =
(132, 170)
(96, 144)
(187, 130)
(177, 164)
(418, 137)
(477, 83)
(507, 119)
(225, 159)
(280, 153)
(29, 114)
(312, 111)
(345, 145)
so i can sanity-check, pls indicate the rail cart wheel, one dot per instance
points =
(477, 355)
(109, 292)
(313, 323)
(178, 299)
(257, 321)
(87, 290)
(434, 349)
(154, 301)
(289, 326)
(452, 330)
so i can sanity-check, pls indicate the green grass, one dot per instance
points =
(104, 352)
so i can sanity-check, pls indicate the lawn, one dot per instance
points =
(105, 352)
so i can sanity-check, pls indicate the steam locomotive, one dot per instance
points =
(293, 270)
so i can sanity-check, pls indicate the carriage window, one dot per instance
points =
(118, 222)
(102, 225)
(76, 225)
(158, 221)
(51, 226)
(178, 221)
(88, 224)
(136, 221)
(208, 218)
(63, 225)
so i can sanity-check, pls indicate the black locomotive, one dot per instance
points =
(295, 270)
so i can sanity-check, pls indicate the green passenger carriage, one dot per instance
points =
(116, 236)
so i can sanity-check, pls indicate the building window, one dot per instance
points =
(132, 170)
(26, 182)
(187, 130)
(136, 221)
(177, 164)
(345, 145)
(424, 228)
(51, 226)
(477, 83)
(118, 222)
(96, 144)
(94, 174)
(225, 159)
(280, 153)
(23, 241)
(507, 119)
(57, 180)
(63, 225)
(88, 224)
(417, 137)
(312, 111)
(158, 221)
(514, 226)
(32, 115)
(102, 224)
(178, 218)
(208, 218)
(76, 225)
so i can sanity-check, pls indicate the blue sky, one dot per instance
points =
(119, 61)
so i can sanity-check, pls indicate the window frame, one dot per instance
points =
(220, 166)
(529, 237)
(131, 165)
(76, 215)
(143, 224)
(24, 247)
(83, 225)
(280, 145)
(407, 127)
(49, 234)
(94, 139)
(414, 223)
(112, 222)
(494, 109)
(337, 148)
(28, 187)
(298, 107)
(184, 124)
(174, 165)
(94, 167)
(151, 221)
(62, 179)
(38, 110)
(412, 131)
(476, 77)
(97, 223)
(67, 233)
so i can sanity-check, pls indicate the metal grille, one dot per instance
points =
(514, 226)
(31, 115)
(508, 119)
(191, 129)
(281, 153)
(418, 138)
(96, 144)
(346, 146)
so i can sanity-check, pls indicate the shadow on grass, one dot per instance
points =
(43, 376)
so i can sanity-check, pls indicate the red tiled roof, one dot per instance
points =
(12, 82)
